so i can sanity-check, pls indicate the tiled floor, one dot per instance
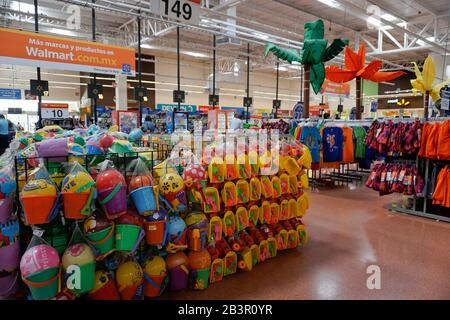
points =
(349, 230)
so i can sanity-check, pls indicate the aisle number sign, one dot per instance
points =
(54, 110)
(181, 10)
(40, 50)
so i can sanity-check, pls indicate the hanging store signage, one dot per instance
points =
(181, 10)
(171, 107)
(335, 89)
(39, 50)
(54, 110)
(14, 94)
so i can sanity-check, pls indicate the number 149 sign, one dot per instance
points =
(182, 10)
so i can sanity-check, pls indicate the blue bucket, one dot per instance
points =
(144, 199)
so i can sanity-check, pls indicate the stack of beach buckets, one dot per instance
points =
(118, 228)
(9, 234)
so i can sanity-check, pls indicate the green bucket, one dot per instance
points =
(43, 285)
(202, 279)
(126, 236)
(103, 241)
(87, 272)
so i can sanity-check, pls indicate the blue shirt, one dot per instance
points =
(4, 127)
(310, 136)
(332, 141)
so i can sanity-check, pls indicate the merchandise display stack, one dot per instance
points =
(92, 224)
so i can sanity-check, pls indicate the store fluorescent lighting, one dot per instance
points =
(195, 54)
(62, 32)
(331, 3)
(388, 17)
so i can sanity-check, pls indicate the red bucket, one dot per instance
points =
(107, 292)
(153, 284)
(73, 204)
(37, 208)
(155, 231)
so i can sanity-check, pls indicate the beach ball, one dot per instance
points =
(75, 149)
(140, 181)
(38, 258)
(79, 140)
(101, 278)
(108, 179)
(199, 259)
(77, 254)
(106, 141)
(135, 135)
(155, 266)
(193, 175)
(176, 259)
(78, 182)
(176, 227)
(96, 223)
(129, 274)
(196, 220)
(171, 182)
(39, 187)
(92, 148)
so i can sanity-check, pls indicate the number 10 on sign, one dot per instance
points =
(182, 10)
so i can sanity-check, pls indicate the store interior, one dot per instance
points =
(224, 149)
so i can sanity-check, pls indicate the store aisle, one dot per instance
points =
(349, 230)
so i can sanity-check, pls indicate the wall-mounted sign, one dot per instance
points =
(14, 94)
(181, 10)
(54, 110)
(40, 50)
(171, 107)
(403, 103)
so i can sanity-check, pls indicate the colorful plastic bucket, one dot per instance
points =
(44, 285)
(126, 236)
(155, 232)
(107, 292)
(153, 285)
(87, 273)
(200, 279)
(10, 257)
(144, 199)
(6, 209)
(115, 204)
(178, 279)
(103, 241)
(133, 292)
(9, 284)
(37, 208)
(74, 203)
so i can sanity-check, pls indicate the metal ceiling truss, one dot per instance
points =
(408, 42)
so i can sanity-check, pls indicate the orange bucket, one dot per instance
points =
(37, 208)
(73, 204)
(155, 232)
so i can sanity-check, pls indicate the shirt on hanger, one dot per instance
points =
(347, 146)
(359, 134)
(332, 144)
(310, 136)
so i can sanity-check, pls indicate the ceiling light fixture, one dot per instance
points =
(330, 3)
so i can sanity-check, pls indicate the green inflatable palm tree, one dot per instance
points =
(313, 56)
